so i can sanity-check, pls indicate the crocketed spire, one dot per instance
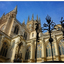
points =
(37, 17)
(32, 17)
(15, 10)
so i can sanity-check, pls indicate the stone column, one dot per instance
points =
(32, 58)
(43, 51)
(22, 50)
(13, 52)
(56, 49)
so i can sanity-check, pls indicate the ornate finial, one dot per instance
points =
(32, 16)
(37, 17)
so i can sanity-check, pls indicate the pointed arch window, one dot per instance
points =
(4, 49)
(61, 47)
(25, 36)
(39, 51)
(48, 50)
(53, 49)
(28, 53)
(16, 29)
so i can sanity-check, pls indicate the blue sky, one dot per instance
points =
(55, 9)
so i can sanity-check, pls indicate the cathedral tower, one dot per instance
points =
(31, 26)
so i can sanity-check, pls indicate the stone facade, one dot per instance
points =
(12, 32)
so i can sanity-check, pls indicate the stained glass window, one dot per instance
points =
(16, 29)
(48, 50)
(61, 47)
(25, 36)
(28, 53)
(53, 49)
(39, 51)
(60, 50)
(4, 49)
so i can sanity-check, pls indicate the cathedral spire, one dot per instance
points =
(3, 14)
(23, 22)
(39, 20)
(32, 17)
(15, 9)
(37, 17)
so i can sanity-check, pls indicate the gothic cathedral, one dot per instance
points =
(19, 39)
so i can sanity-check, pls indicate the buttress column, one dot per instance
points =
(56, 49)
(32, 51)
(43, 51)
